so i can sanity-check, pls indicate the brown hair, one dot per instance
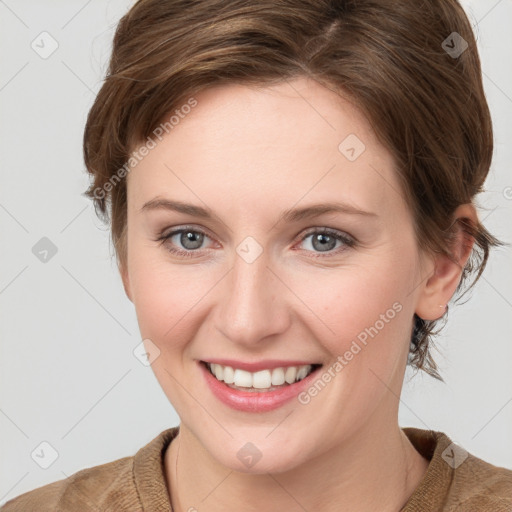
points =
(393, 58)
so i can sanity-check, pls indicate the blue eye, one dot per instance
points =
(190, 239)
(324, 242)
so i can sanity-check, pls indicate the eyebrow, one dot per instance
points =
(290, 215)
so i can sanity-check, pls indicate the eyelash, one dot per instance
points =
(347, 241)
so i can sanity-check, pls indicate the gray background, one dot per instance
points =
(68, 374)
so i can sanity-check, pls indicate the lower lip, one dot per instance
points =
(254, 401)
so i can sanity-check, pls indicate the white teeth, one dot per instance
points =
(277, 376)
(242, 379)
(229, 375)
(291, 374)
(263, 379)
(303, 371)
(219, 372)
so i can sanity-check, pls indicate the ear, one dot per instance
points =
(123, 271)
(439, 288)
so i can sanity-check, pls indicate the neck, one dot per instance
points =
(375, 469)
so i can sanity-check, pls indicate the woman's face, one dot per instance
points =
(297, 248)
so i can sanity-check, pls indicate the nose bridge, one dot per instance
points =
(252, 303)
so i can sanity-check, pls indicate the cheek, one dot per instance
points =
(360, 306)
(365, 316)
(166, 296)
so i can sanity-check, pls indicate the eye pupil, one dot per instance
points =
(191, 239)
(326, 242)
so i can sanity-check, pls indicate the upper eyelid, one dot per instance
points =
(320, 229)
(180, 229)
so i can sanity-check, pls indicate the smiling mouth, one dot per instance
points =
(260, 381)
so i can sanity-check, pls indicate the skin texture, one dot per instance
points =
(248, 154)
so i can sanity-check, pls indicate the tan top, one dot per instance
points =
(455, 481)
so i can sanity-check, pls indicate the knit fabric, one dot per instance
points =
(455, 481)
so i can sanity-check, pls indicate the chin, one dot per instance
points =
(258, 457)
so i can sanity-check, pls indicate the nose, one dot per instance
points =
(252, 306)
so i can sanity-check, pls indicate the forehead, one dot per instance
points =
(295, 141)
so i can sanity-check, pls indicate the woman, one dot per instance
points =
(291, 189)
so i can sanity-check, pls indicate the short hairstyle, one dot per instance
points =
(393, 59)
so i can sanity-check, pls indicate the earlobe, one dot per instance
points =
(439, 288)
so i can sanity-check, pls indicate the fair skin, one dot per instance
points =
(248, 154)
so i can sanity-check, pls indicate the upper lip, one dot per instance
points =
(267, 364)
